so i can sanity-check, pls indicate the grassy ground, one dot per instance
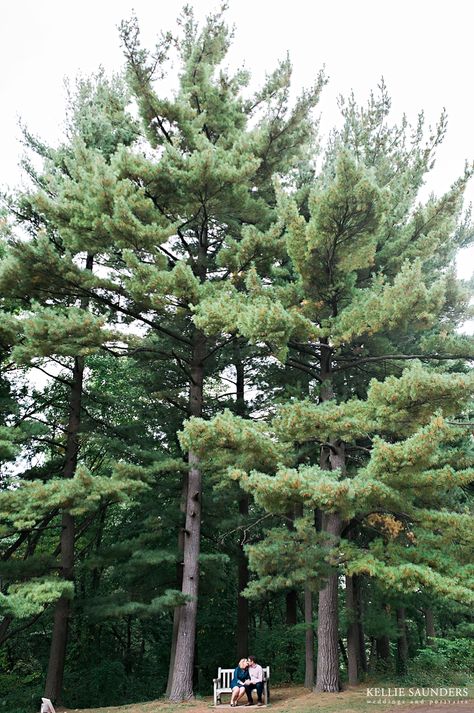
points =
(299, 700)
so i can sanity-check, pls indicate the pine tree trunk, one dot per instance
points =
(182, 684)
(309, 676)
(309, 639)
(174, 637)
(402, 644)
(291, 605)
(243, 580)
(352, 632)
(356, 580)
(382, 647)
(327, 677)
(179, 582)
(57, 656)
(343, 651)
(372, 654)
(327, 672)
(430, 626)
(242, 561)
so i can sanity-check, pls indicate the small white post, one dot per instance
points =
(46, 706)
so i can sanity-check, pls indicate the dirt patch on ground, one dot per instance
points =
(296, 700)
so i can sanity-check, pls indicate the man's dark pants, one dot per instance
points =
(258, 686)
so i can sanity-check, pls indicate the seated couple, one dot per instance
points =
(247, 676)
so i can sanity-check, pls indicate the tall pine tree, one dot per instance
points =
(158, 217)
(369, 287)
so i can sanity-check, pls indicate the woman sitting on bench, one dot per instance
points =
(241, 674)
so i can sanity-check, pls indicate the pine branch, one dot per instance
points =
(179, 361)
(295, 363)
(220, 346)
(21, 628)
(182, 407)
(396, 357)
(53, 376)
(245, 528)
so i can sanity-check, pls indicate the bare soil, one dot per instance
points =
(297, 699)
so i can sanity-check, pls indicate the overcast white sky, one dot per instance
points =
(423, 49)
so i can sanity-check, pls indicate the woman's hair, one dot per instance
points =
(242, 663)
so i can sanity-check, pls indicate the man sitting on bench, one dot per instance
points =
(256, 681)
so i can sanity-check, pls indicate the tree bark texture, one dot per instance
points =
(402, 643)
(356, 581)
(182, 683)
(332, 457)
(57, 655)
(243, 580)
(291, 614)
(242, 561)
(352, 632)
(62, 611)
(382, 647)
(309, 639)
(327, 677)
(430, 626)
(179, 582)
(372, 654)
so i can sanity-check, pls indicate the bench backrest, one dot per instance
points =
(225, 675)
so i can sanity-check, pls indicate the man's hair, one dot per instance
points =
(252, 658)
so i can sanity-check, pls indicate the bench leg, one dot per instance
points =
(266, 695)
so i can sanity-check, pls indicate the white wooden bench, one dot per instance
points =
(224, 677)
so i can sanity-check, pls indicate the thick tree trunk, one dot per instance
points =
(373, 650)
(242, 561)
(327, 677)
(430, 626)
(57, 656)
(332, 457)
(402, 643)
(182, 684)
(382, 647)
(352, 632)
(291, 614)
(174, 637)
(309, 600)
(291, 607)
(343, 651)
(179, 582)
(356, 581)
(309, 639)
(243, 580)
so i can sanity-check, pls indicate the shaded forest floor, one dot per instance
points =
(298, 700)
